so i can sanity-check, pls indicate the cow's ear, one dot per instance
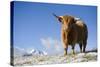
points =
(60, 19)
(72, 20)
(75, 21)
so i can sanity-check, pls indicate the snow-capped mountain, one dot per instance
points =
(19, 52)
(37, 52)
(22, 52)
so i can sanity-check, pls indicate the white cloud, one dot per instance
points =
(45, 42)
(51, 44)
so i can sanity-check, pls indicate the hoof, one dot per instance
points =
(65, 54)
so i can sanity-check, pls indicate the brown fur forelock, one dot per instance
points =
(68, 19)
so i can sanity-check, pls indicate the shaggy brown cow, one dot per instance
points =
(73, 31)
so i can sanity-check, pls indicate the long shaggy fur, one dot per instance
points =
(73, 31)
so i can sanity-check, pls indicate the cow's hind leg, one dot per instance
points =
(80, 45)
(84, 46)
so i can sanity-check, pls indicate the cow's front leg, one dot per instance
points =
(65, 50)
(73, 46)
(65, 42)
(65, 45)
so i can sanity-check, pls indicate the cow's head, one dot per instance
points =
(67, 21)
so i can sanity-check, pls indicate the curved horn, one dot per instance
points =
(55, 15)
(76, 18)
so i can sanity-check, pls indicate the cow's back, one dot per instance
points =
(82, 31)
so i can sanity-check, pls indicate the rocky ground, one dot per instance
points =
(56, 59)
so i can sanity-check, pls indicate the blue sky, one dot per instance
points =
(36, 28)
